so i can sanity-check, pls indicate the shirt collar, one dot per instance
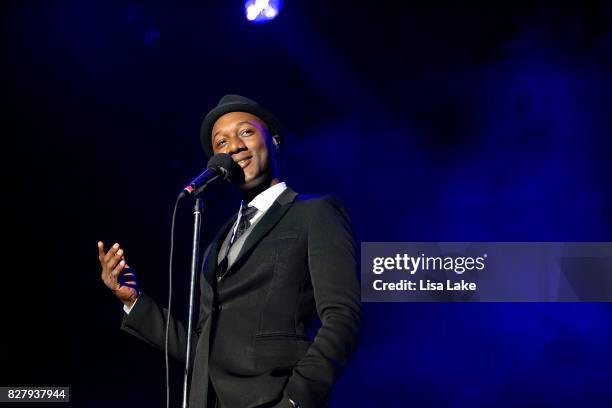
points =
(264, 200)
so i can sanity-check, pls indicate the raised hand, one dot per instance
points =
(117, 275)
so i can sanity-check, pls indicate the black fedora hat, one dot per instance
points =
(235, 103)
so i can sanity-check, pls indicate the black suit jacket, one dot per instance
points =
(283, 319)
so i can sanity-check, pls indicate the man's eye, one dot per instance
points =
(221, 143)
(245, 132)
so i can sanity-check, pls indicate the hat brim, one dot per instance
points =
(270, 120)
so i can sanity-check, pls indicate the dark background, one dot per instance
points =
(433, 121)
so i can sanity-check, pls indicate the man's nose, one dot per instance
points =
(236, 145)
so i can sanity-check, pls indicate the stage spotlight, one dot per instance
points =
(262, 11)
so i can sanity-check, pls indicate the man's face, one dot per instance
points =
(245, 138)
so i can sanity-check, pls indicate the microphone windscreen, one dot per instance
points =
(224, 164)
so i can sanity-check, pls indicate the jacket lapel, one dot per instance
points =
(213, 253)
(268, 221)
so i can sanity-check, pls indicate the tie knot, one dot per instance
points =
(248, 211)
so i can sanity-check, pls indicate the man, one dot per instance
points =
(280, 269)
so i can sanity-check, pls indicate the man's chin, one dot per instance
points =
(250, 184)
(254, 183)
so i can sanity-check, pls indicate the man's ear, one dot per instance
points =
(276, 142)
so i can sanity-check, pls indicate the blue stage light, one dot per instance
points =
(262, 11)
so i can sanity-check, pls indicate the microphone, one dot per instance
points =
(219, 166)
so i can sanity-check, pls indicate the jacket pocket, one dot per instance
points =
(280, 336)
(278, 349)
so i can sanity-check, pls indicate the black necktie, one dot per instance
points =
(246, 215)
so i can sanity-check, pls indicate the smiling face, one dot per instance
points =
(245, 137)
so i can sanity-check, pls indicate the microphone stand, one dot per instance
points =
(197, 217)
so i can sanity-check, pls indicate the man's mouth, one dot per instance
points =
(244, 162)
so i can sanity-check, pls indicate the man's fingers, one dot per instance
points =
(127, 277)
(116, 270)
(132, 285)
(112, 262)
(119, 255)
(133, 289)
(134, 292)
(111, 252)
(101, 251)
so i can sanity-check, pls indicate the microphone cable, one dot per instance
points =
(168, 315)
